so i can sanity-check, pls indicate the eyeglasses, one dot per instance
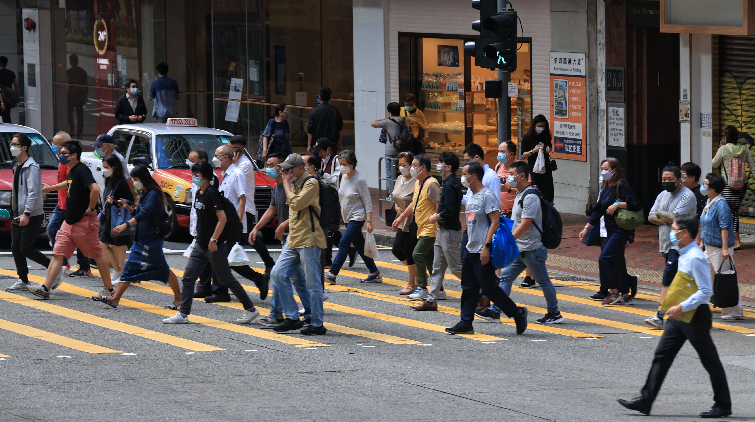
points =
(15, 145)
(64, 153)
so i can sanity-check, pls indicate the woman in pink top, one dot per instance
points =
(506, 156)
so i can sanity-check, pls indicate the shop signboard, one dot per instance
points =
(568, 107)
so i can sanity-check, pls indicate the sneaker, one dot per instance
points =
(104, 293)
(201, 295)
(59, 279)
(377, 278)
(18, 286)
(268, 322)
(352, 257)
(551, 318)
(426, 306)
(655, 321)
(38, 290)
(442, 295)
(248, 317)
(217, 298)
(520, 319)
(633, 285)
(460, 329)
(528, 283)
(420, 293)
(610, 298)
(307, 322)
(177, 319)
(623, 300)
(732, 317)
(86, 272)
(600, 295)
(313, 331)
(301, 311)
(288, 324)
(489, 315)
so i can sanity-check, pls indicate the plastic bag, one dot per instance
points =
(370, 247)
(505, 250)
(187, 252)
(539, 166)
(238, 256)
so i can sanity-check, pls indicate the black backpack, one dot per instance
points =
(552, 225)
(330, 206)
(404, 136)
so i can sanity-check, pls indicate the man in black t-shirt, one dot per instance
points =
(691, 173)
(81, 225)
(7, 80)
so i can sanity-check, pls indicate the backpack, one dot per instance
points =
(233, 229)
(552, 225)
(736, 171)
(330, 208)
(405, 138)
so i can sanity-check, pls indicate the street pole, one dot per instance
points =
(503, 101)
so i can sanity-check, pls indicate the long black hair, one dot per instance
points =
(278, 110)
(142, 172)
(116, 165)
(545, 137)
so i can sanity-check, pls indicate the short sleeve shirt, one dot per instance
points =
(531, 239)
(207, 204)
(77, 201)
(233, 186)
(479, 205)
(247, 169)
(430, 195)
(680, 203)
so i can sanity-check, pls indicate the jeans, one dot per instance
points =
(671, 267)
(446, 255)
(290, 262)
(423, 258)
(390, 172)
(612, 264)
(258, 244)
(352, 235)
(300, 285)
(22, 246)
(476, 276)
(56, 220)
(535, 262)
(199, 258)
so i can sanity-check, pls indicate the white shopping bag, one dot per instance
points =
(539, 167)
(187, 252)
(370, 247)
(238, 256)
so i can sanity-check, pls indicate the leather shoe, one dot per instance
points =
(637, 403)
(520, 319)
(200, 295)
(216, 298)
(716, 412)
(426, 306)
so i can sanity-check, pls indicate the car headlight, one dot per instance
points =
(5, 198)
(188, 198)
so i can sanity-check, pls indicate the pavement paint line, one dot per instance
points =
(103, 322)
(330, 326)
(402, 267)
(4, 356)
(38, 334)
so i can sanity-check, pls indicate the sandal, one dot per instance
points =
(107, 302)
(406, 290)
(172, 307)
(331, 280)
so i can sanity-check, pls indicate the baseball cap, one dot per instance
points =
(103, 139)
(293, 160)
(322, 144)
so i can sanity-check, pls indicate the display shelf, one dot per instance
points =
(486, 112)
(492, 132)
(449, 131)
(443, 110)
(439, 90)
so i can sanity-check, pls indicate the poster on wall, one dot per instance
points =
(568, 105)
(448, 55)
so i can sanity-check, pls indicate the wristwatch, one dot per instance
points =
(27, 213)
(215, 241)
(90, 209)
(489, 245)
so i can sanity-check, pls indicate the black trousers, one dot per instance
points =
(674, 336)
(258, 244)
(22, 246)
(475, 277)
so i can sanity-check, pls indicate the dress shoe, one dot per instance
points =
(200, 295)
(637, 403)
(426, 306)
(716, 412)
(217, 298)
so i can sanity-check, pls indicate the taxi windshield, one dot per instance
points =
(40, 151)
(173, 149)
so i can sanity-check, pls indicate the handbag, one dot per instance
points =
(628, 220)
(725, 287)
(593, 237)
(390, 216)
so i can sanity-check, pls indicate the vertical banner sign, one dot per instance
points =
(568, 105)
(105, 61)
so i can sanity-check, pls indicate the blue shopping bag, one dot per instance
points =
(505, 250)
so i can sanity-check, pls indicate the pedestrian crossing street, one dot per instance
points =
(363, 314)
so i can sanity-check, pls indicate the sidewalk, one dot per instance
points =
(642, 256)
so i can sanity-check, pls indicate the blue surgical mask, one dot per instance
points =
(501, 157)
(54, 149)
(672, 238)
(600, 180)
(98, 153)
(63, 159)
(134, 91)
(409, 108)
(703, 190)
(197, 180)
(512, 180)
(271, 173)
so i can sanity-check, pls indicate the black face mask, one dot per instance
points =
(669, 186)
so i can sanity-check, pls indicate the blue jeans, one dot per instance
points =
(299, 281)
(535, 262)
(56, 220)
(289, 263)
(390, 172)
(612, 263)
(352, 235)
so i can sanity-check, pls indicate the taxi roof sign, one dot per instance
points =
(176, 121)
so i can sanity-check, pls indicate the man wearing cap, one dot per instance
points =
(105, 146)
(302, 248)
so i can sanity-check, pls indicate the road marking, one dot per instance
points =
(402, 267)
(4, 356)
(38, 334)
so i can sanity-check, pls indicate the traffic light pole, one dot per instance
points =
(503, 101)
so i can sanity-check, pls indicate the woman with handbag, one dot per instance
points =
(113, 215)
(403, 243)
(146, 260)
(277, 135)
(717, 224)
(615, 195)
(539, 138)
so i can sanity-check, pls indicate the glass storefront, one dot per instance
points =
(234, 60)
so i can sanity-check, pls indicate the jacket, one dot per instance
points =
(449, 206)
(725, 154)
(305, 192)
(325, 121)
(607, 198)
(30, 198)
(123, 109)
(147, 214)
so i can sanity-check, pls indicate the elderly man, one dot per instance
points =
(106, 146)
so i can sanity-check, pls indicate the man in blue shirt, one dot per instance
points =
(693, 269)
(164, 92)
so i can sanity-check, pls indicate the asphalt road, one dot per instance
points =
(72, 359)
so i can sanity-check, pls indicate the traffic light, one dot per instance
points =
(502, 51)
(487, 9)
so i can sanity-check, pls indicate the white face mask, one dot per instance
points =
(404, 170)
(15, 151)
(216, 161)
(345, 169)
(107, 172)
(464, 181)
(439, 167)
(138, 185)
(539, 129)
(414, 172)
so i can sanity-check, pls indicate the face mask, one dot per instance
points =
(501, 157)
(107, 172)
(189, 163)
(138, 185)
(345, 169)
(197, 180)
(464, 181)
(606, 174)
(539, 129)
(669, 186)
(98, 152)
(404, 170)
(703, 190)
(294, 178)
(216, 161)
(512, 180)
(439, 167)
(306, 169)
(673, 239)
(409, 108)
(414, 172)
(271, 173)
(54, 149)
(286, 115)
(14, 151)
(133, 91)
(600, 180)
(684, 180)
(63, 159)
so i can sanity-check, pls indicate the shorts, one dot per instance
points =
(672, 265)
(82, 235)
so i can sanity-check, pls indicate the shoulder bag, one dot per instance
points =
(628, 220)
(725, 287)
(413, 225)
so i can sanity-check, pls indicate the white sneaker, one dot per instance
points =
(654, 321)
(18, 286)
(177, 319)
(248, 317)
(59, 279)
(116, 277)
(442, 295)
(301, 311)
(420, 293)
(732, 317)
